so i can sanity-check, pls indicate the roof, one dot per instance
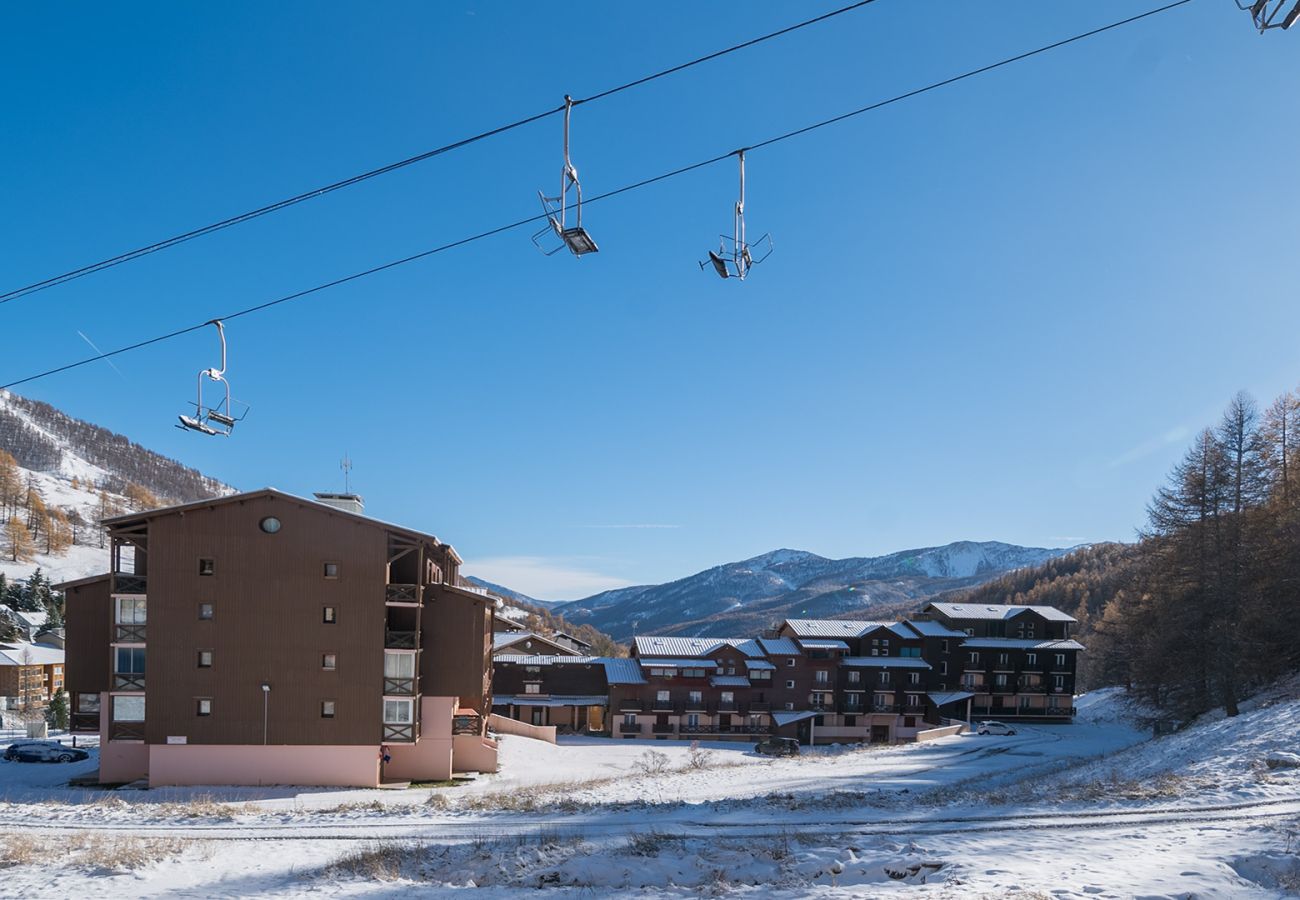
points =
(759, 664)
(729, 681)
(933, 629)
(503, 639)
(618, 670)
(31, 619)
(621, 670)
(653, 645)
(842, 628)
(1020, 644)
(822, 644)
(576, 640)
(272, 493)
(944, 698)
(549, 700)
(997, 611)
(19, 653)
(786, 717)
(781, 646)
(887, 662)
(80, 582)
(696, 663)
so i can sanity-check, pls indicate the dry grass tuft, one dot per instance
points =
(379, 861)
(22, 850)
(125, 854)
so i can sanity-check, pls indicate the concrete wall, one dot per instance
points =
(335, 766)
(503, 725)
(428, 760)
(931, 734)
(121, 762)
(472, 753)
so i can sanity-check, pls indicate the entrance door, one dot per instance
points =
(880, 734)
(539, 713)
(804, 731)
(595, 718)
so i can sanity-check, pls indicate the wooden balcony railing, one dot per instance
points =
(84, 722)
(399, 640)
(399, 733)
(399, 687)
(129, 584)
(467, 725)
(129, 634)
(126, 731)
(402, 593)
(128, 681)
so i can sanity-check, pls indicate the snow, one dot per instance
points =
(1046, 812)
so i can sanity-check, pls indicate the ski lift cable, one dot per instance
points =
(789, 135)
(167, 243)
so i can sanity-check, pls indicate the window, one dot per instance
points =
(327, 709)
(693, 720)
(661, 696)
(205, 612)
(1058, 682)
(911, 652)
(692, 673)
(790, 663)
(533, 670)
(789, 706)
(728, 697)
(913, 699)
(755, 722)
(970, 632)
(130, 611)
(130, 661)
(1060, 660)
(270, 525)
(661, 673)
(875, 651)
(331, 570)
(943, 667)
(328, 615)
(533, 688)
(731, 670)
(884, 677)
(852, 699)
(205, 659)
(973, 657)
(1029, 632)
(128, 709)
(629, 718)
(697, 697)
(913, 677)
(821, 676)
(1003, 659)
(203, 706)
(329, 661)
(1000, 680)
(789, 684)
(207, 566)
(88, 703)
(854, 677)
(760, 675)
(1031, 659)
(402, 665)
(397, 712)
(944, 645)
(884, 642)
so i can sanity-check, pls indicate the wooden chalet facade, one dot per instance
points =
(262, 638)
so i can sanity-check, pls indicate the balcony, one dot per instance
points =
(631, 706)
(727, 706)
(913, 710)
(662, 706)
(128, 681)
(698, 729)
(399, 733)
(661, 729)
(129, 584)
(399, 687)
(696, 706)
(402, 593)
(84, 722)
(760, 706)
(883, 708)
(128, 634)
(399, 640)
(466, 725)
(629, 728)
(126, 731)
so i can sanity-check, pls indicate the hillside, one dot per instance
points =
(749, 596)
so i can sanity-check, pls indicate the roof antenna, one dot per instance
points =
(346, 466)
(576, 237)
(734, 261)
(219, 418)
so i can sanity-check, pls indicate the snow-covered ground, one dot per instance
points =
(1090, 809)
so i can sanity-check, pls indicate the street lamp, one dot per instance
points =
(266, 697)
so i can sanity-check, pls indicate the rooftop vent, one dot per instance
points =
(352, 503)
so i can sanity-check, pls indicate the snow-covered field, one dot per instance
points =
(1090, 809)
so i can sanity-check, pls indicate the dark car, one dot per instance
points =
(777, 746)
(43, 751)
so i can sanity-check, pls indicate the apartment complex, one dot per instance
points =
(263, 638)
(30, 675)
(816, 680)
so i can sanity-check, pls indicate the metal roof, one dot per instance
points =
(548, 700)
(786, 717)
(759, 664)
(552, 660)
(842, 628)
(653, 645)
(1020, 644)
(504, 639)
(943, 699)
(729, 681)
(997, 611)
(933, 629)
(621, 670)
(822, 644)
(20, 653)
(888, 662)
(781, 646)
(618, 670)
(697, 663)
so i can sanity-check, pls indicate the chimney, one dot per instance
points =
(347, 502)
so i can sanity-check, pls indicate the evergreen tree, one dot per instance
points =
(56, 714)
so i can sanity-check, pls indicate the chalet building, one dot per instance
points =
(570, 692)
(577, 645)
(263, 638)
(1017, 662)
(527, 643)
(30, 675)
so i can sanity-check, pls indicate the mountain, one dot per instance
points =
(509, 594)
(749, 596)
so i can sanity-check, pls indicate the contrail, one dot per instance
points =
(97, 350)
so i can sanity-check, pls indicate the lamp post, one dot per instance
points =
(266, 698)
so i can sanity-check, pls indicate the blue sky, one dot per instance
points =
(997, 311)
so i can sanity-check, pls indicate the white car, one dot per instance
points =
(995, 728)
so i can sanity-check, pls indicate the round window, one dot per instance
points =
(270, 524)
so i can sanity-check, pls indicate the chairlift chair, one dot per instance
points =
(576, 238)
(735, 256)
(219, 418)
(1264, 13)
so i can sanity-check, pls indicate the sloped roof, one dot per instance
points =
(933, 629)
(786, 717)
(1020, 644)
(781, 646)
(842, 628)
(695, 663)
(997, 611)
(886, 662)
(822, 644)
(943, 699)
(549, 700)
(729, 681)
(13, 653)
(654, 645)
(31, 619)
(621, 670)
(618, 670)
(504, 639)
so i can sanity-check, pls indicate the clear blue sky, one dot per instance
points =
(994, 312)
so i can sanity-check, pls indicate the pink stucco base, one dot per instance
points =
(472, 753)
(122, 762)
(334, 766)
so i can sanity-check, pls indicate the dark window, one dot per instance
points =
(207, 566)
(205, 611)
(203, 706)
(327, 709)
(850, 721)
(328, 616)
(329, 661)
(130, 660)
(88, 703)
(205, 659)
(331, 570)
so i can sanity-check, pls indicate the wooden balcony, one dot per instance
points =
(128, 681)
(402, 593)
(399, 640)
(126, 731)
(83, 723)
(399, 733)
(467, 725)
(129, 584)
(128, 634)
(399, 687)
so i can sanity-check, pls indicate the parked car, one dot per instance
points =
(995, 728)
(777, 746)
(43, 751)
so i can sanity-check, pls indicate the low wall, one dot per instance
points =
(472, 753)
(332, 766)
(502, 725)
(121, 762)
(429, 760)
(931, 734)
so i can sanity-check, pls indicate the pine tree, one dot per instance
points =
(56, 714)
(19, 544)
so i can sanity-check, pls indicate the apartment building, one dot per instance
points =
(263, 638)
(570, 692)
(30, 675)
(528, 643)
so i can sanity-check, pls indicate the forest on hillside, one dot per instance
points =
(1202, 609)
